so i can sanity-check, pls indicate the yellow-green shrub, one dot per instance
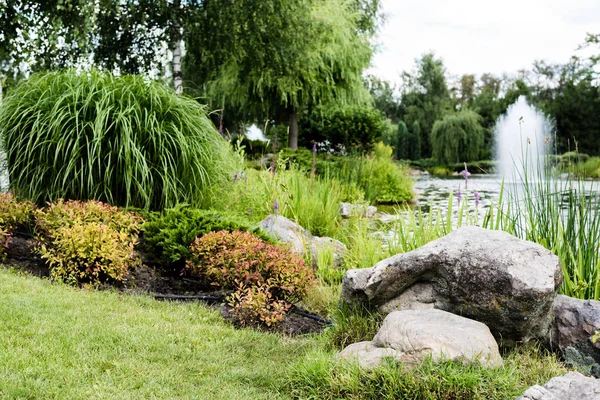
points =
(88, 242)
(13, 214)
(266, 278)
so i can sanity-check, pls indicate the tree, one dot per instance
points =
(403, 143)
(289, 56)
(426, 97)
(384, 98)
(457, 138)
(414, 143)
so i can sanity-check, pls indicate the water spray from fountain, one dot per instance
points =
(523, 138)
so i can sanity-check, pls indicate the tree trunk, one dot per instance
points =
(293, 137)
(177, 77)
(176, 47)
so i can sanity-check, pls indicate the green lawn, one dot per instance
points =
(58, 342)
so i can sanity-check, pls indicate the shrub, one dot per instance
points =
(347, 128)
(266, 278)
(13, 214)
(573, 157)
(167, 237)
(312, 202)
(123, 140)
(377, 175)
(88, 242)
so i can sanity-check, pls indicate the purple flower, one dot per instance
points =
(276, 207)
(458, 195)
(465, 173)
(314, 147)
(249, 212)
(476, 194)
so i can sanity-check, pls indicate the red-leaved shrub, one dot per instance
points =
(266, 278)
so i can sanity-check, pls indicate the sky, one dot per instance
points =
(479, 36)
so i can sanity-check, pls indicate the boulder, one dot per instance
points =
(489, 276)
(348, 210)
(300, 239)
(576, 332)
(571, 386)
(413, 335)
(386, 218)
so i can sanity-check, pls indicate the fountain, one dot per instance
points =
(523, 137)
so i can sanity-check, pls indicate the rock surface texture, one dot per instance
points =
(348, 210)
(571, 386)
(413, 335)
(576, 332)
(489, 276)
(300, 239)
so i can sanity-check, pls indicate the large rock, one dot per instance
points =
(301, 240)
(576, 332)
(489, 276)
(413, 335)
(571, 386)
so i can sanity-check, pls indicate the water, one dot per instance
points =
(523, 137)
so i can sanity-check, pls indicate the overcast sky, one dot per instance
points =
(478, 36)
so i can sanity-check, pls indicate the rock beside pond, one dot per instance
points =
(489, 276)
(301, 240)
(576, 332)
(386, 218)
(348, 210)
(413, 335)
(571, 386)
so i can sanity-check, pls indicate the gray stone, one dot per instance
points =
(386, 218)
(571, 386)
(413, 335)
(576, 332)
(301, 240)
(348, 210)
(367, 354)
(489, 276)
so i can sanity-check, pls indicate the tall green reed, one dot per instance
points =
(312, 202)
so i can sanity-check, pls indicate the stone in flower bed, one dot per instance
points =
(576, 332)
(411, 336)
(489, 276)
(571, 386)
(300, 239)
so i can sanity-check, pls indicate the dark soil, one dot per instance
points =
(148, 280)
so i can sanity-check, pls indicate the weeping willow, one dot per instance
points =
(124, 140)
(457, 138)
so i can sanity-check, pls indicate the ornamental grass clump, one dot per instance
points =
(126, 140)
(266, 279)
(88, 243)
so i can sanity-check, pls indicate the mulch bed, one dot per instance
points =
(148, 280)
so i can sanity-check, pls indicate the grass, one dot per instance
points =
(317, 376)
(123, 140)
(381, 180)
(59, 342)
(312, 202)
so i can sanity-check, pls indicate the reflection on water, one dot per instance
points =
(434, 191)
